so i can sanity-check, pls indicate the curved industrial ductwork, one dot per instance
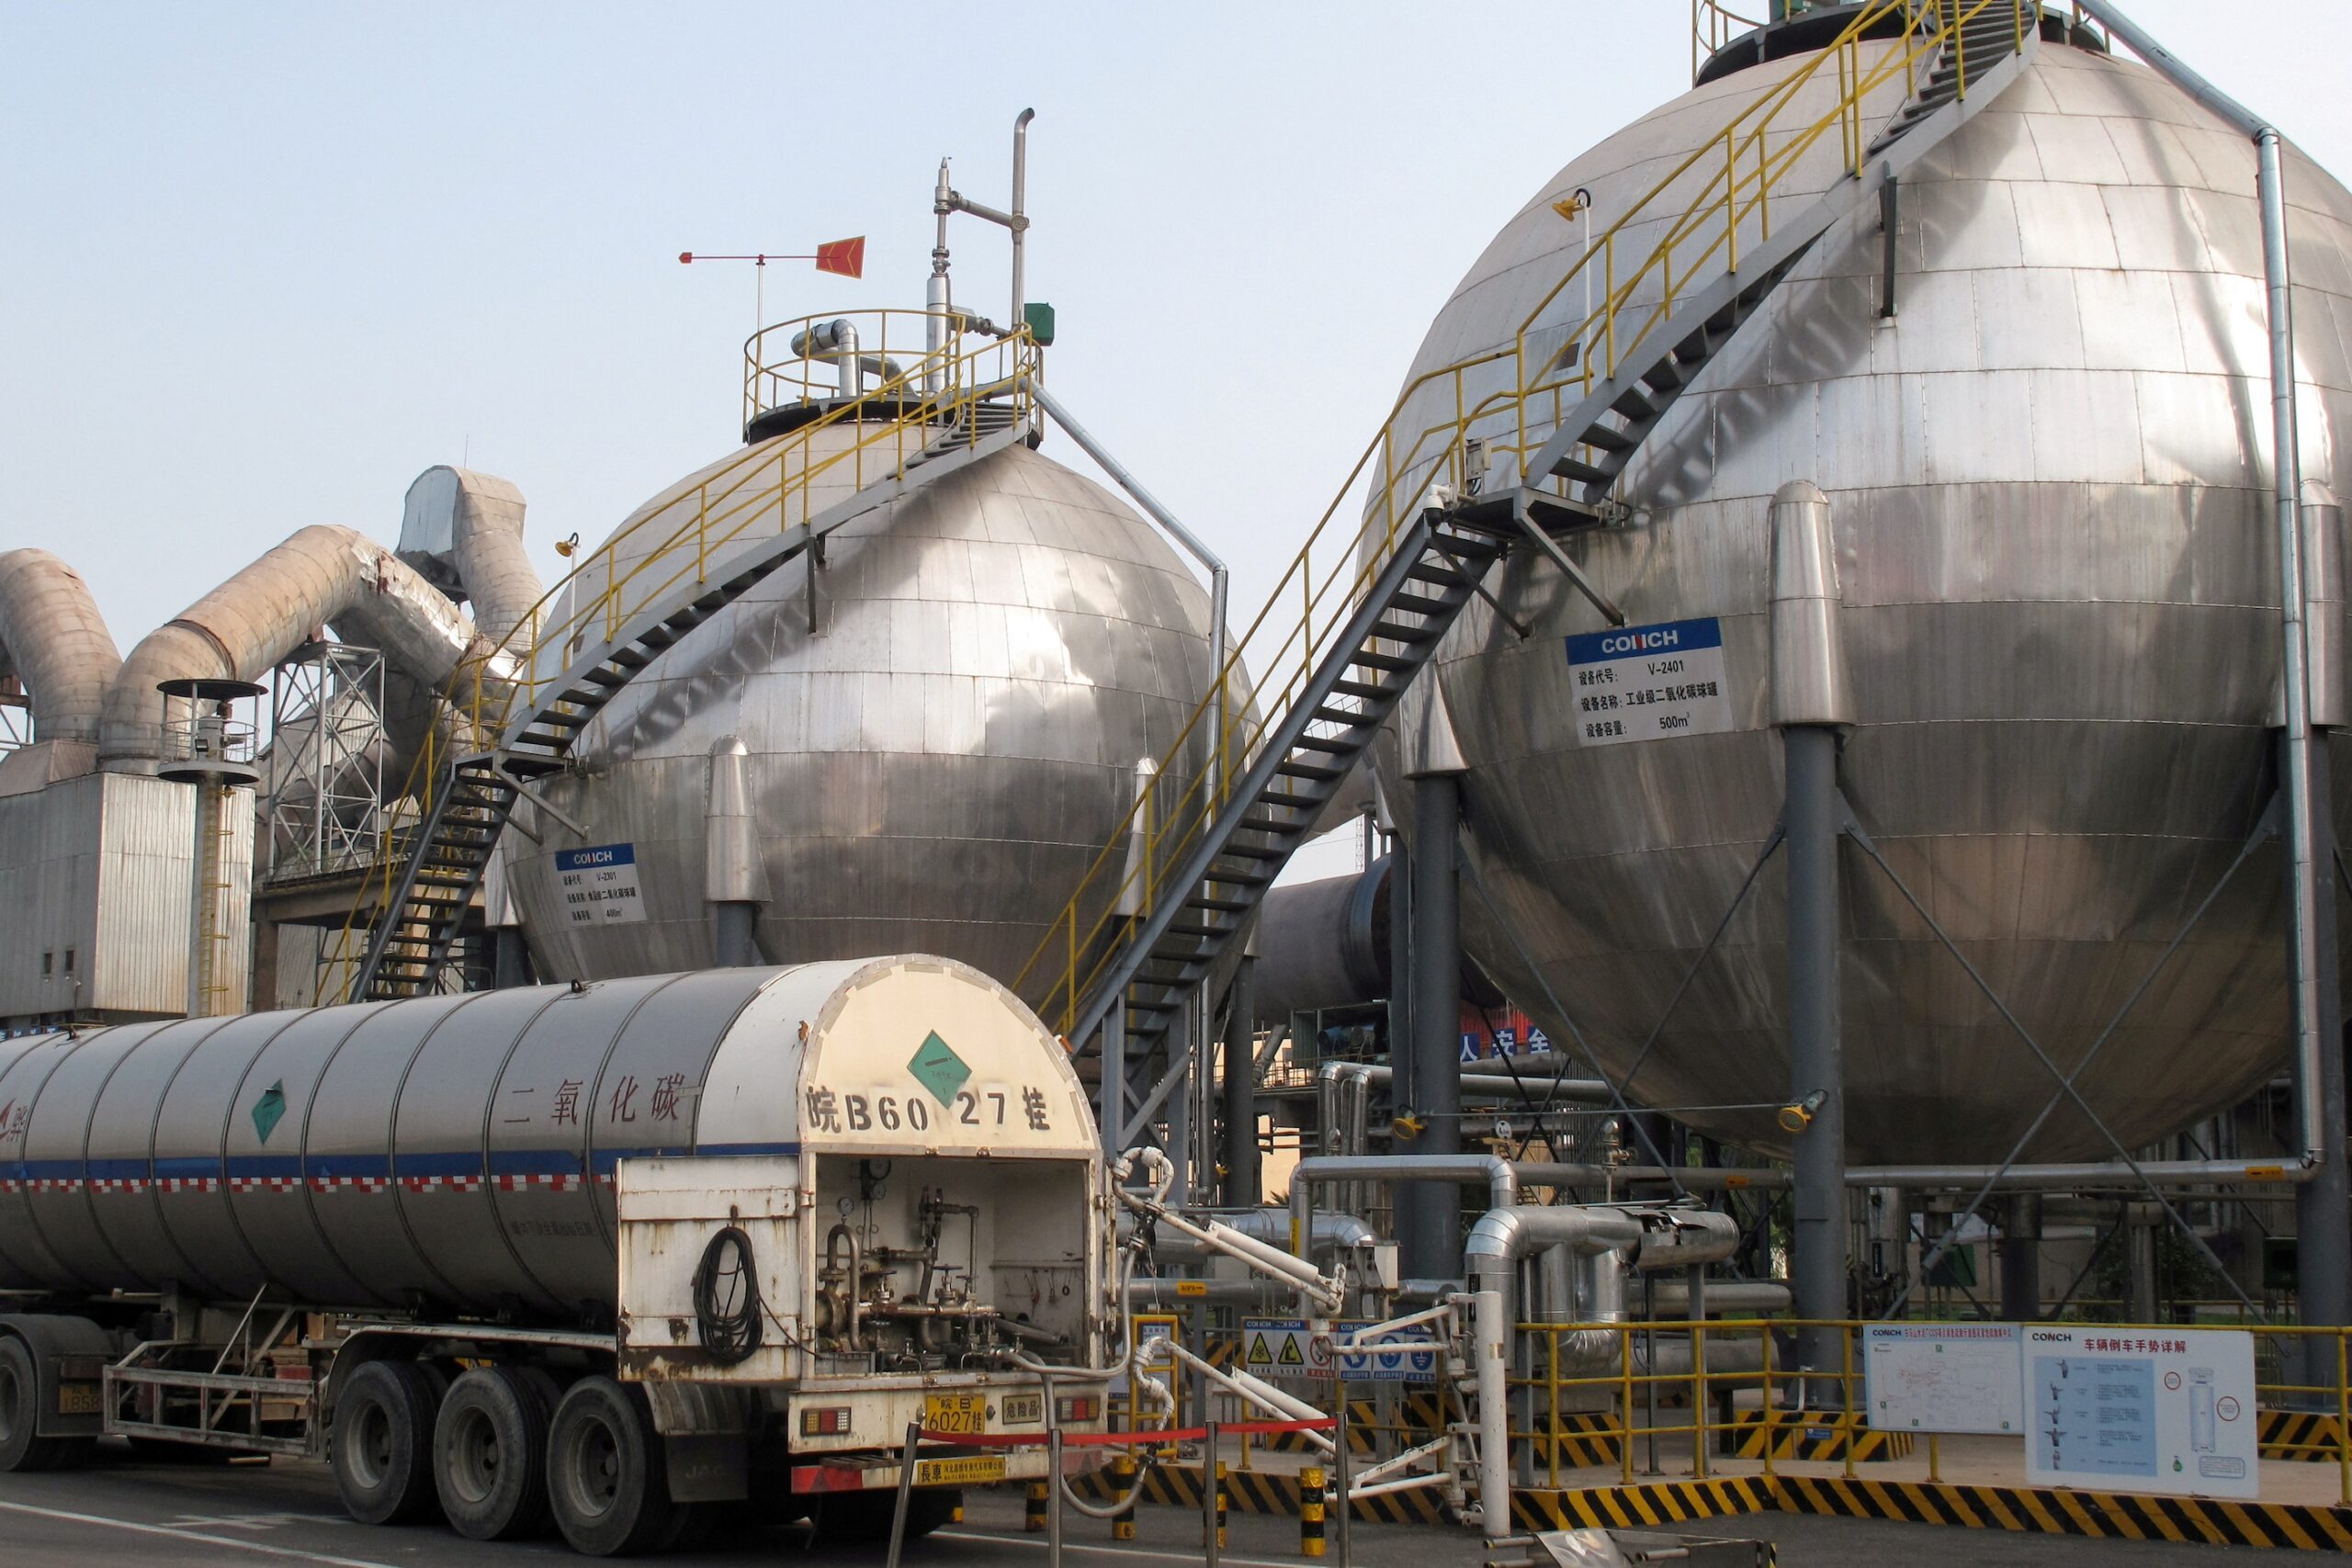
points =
(323, 575)
(54, 640)
(463, 532)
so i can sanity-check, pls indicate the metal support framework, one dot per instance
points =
(1620, 1084)
(325, 811)
(2067, 1089)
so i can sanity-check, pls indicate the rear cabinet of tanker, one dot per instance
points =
(610, 1256)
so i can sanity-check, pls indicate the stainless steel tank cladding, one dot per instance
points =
(2048, 479)
(459, 1152)
(932, 768)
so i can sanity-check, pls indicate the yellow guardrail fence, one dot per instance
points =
(1690, 226)
(1738, 1390)
(765, 491)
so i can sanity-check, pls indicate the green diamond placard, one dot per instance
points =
(268, 1109)
(938, 1069)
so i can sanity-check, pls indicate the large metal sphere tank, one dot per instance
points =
(932, 768)
(2050, 477)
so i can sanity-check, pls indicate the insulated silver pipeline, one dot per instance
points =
(322, 575)
(837, 340)
(54, 640)
(464, 531)
(1149, 504)
(2295, 782)
(1503, 1181)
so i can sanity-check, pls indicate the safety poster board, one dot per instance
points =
(2142, 1410)
(1943, 1377)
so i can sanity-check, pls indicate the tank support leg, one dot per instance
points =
(1816, 1066)
(2323, 1204)
(1241, 1091)
(1436, 1235)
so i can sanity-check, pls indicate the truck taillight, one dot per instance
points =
(1086, 1407)
(830, 1422)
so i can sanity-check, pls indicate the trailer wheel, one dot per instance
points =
(381, 1444)
(605, 1478)
(21, 1446)
(489, 1454)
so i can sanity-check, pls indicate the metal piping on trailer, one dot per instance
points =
(52, 637)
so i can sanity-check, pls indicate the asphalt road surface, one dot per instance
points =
(161, 1516)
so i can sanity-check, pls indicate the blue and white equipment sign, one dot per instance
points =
(599, 886)
(1649, 682)
(2142, 1410)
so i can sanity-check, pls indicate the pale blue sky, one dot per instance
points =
(262, 265)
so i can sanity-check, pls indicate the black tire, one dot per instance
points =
(21, 1449)
(490, 1455)
(607, 1481)
(381, 1444)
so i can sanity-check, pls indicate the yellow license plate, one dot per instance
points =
(977, 1472)
(77, 1399)
(957, 1413)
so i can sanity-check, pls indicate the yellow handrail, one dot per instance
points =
(1501, 405)
(765, 491)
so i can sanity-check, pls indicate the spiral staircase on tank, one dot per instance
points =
(1180, 879)
(956, 407)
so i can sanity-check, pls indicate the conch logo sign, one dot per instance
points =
(938, 1069)
(269, 1109)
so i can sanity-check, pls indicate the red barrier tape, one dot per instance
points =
(1126, 1439)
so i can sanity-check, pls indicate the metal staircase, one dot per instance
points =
(1438, 501)
(740, 531)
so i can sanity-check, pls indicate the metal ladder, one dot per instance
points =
(1393, 633)
(1140, 938)
(411, 942)
(1985, 49)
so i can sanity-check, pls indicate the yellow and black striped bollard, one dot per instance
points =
(1221, 1499)
(1035, 1524)
(1310, 1511)
(1123, 1481)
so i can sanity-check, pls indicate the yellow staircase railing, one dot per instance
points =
(920, 410)
(1450, 427)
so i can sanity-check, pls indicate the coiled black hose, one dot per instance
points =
(730, 1334)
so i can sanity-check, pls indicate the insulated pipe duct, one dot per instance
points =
(1332, 1233)
(321, 575)
(52, 638)
(463, 531)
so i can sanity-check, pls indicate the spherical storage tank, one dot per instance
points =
(2050, 480)
(932, 768)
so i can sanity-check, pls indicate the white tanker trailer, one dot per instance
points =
(616, 1253)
